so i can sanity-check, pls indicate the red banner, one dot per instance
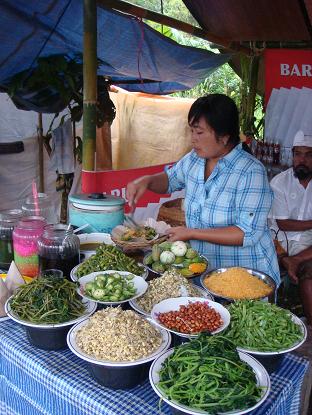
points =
(114, 182)
(287, 68)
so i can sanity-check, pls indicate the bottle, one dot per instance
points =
(259, 150)
(8, 220)
(265, 156)
(276, 153)
(25, 244)
(58, 249)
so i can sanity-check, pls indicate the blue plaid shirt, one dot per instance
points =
(236, 193)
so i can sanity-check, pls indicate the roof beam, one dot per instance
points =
(143, 13)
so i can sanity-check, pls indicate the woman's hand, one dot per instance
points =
(180, 233)
(135, 190)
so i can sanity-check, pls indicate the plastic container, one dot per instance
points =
(25, 244)
(43, 207)
(58, 249)
(8, 220)
(101, 212)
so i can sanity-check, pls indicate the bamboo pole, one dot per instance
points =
(251, 100)
(174, 23)
(89, 84)
(40, 150)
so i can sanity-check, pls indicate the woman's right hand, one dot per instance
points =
(135, 190)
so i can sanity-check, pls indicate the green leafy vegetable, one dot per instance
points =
(48, 300)
(207, 373)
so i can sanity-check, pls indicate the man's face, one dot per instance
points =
(302, 162)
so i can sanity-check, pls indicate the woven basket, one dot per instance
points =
(130, 246)
(172, 213)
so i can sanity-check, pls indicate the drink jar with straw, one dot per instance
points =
(25, 244)
(39, 204)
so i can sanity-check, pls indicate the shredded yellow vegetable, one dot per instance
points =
(237, 283)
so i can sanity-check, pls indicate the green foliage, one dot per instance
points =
(223, 80)
(60, 77)
(172, 8)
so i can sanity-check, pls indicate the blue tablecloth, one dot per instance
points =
(36, 382)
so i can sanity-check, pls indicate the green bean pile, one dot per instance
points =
(261, 326)
(47, 300)
(207, 374)
(109, 257)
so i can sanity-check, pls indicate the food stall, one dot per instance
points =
(93, 362)
(100, 356)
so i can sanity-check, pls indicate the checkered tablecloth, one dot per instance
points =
(36, 382)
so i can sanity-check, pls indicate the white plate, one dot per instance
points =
(263, 380)
(71, 341)
(173, 304)
(297, 321)
(95, 237)
(73, 273)
(139, 284)
(203, 293)
(91, 307)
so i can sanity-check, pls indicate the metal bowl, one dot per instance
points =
(260, 275)
(177, 266)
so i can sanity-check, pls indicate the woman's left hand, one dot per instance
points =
(180, 233)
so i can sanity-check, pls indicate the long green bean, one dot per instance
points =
(207, 373)
(108, 257)
(47, 300)
(261, 326)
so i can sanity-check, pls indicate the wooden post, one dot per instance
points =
(104, 148)
(40, 150)
(89, 84)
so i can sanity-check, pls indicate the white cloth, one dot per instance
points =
(62, 156)
(291, 201)
(301, 139)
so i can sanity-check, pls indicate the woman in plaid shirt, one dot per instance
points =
(227, 194)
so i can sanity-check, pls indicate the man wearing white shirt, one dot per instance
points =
(292, 211)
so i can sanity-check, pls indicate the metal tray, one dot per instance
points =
(260, 275)
(177, 266)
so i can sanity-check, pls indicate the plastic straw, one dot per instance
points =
(35, 196)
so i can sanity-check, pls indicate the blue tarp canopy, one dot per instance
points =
(130, 50)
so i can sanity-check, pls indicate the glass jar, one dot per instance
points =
(58, 249)
(25, 244)
(43, 207)
(8, 220)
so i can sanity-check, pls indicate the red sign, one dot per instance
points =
(114, 182)
(287, 68)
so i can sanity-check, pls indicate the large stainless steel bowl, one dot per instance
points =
(260, 275)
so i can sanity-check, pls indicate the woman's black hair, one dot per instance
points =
(220, 113)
